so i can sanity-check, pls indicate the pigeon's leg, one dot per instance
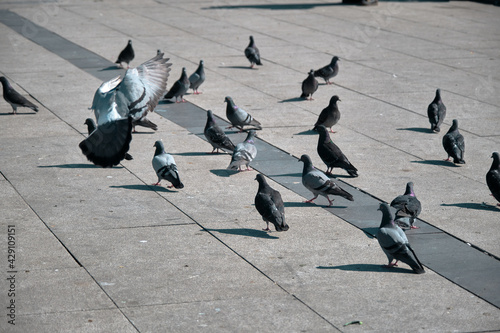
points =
(170, 186)
(448, 159)
(330, 201)
(332, 131)
(156, 184)
(251, 65)
(414, 227)
(311, 200)
(14, 109)
(267, 227)
(390, 265)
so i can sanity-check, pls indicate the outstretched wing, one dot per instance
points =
(142, 87)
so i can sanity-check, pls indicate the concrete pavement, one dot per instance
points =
(101, 250)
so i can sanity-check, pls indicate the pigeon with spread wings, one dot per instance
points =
(119, 104)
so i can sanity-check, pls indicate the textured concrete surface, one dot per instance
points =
(101, 250)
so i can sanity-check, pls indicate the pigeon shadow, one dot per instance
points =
(367, 268)
(473, 205)
(196, 153)
(244, 232)
(298, 204)
(298, 175)
(144, 187)
(437, 162)
(140, 132)
(17, 113)
(238, 67)
(166, 101)
(74, 166)
(223, 172)
(294, 99)
(110, 68)
(307, 132)
(370, 232)
(416, 129)
(286, 6)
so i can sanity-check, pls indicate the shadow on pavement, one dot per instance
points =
(473, 205)
(244, 232)
(74, 166)
(367, 268)
(416, 129)
(143, 187)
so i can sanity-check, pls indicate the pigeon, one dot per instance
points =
(180, 87)
(493, 177)
(197, 78)
(215, 135)
(243, 153)
(330, 115)
(394, 243)
(454, 144)
(120, 102)
(408, 207)
(239, 117)
(91, 126)
(252, 53)
(158, 52)
(329, 71)
(270, 205)
(436, 111)
(14, 98)
(309, 86)
(126, 55)
(331, 154)
(165, 167)
(319, 183)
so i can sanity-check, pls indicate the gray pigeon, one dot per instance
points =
(270, 205)
(126, 55)
(408, 207)
(14, 98)
(331, 154)
(394, 243)
(197, 78)
(454, 144)
(309, 86)
(91, 127)
(243, 153)
(319, 183)
(329, 71)
(215, 135)
(493, 177)
(239, 117)
(330, 115)
(180, 87)
(165, 167)
(117, 104)
(252, 53)
(436, 111)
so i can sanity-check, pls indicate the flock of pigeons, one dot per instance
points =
(122, 103)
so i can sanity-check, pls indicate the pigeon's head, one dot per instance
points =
(210, 116)
(334, 99)
(496, 160)
(409, 189)
(335, 59)
(311, 72)
(251, 38)
(384, 208)
(305, 158)
(159, 145)
(251, 135)
(454, 125)
(89, 121)
(129, 42)
(281, 227)
(201, 62)
(228, 99)
(386, 214)
(4, 80)
(260, 178)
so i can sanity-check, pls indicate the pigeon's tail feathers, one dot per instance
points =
(346, 195)
(145, 122)
(234, 165)
(419, 268)
(304, 95)
(109, 143)
(353, 172)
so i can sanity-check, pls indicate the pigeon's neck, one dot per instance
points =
(307, 167)
(90, 127)
(159, 150)
(496, 162)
